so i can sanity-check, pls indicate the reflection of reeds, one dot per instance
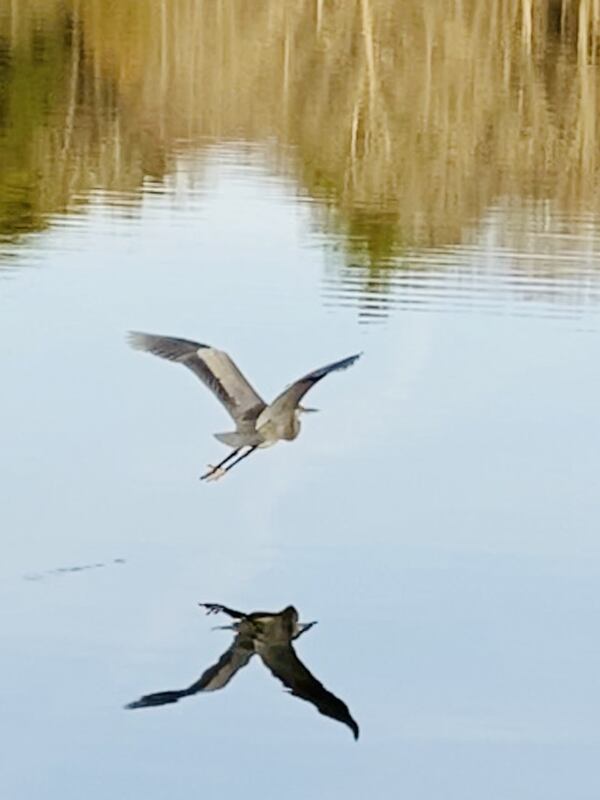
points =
(61, 135)
(407, 119)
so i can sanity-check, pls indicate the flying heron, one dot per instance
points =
(256, 423)
(268, 635)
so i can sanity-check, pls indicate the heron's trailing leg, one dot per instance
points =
(217, 608)
(241, 458)
(219, 467)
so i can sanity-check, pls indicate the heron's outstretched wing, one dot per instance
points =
(215, 677)
(285, 665)
(287, 401)
(214, 368)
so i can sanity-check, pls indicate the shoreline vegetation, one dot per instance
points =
(407, 121)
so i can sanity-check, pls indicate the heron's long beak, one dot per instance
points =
(303, 627)
(307, 410)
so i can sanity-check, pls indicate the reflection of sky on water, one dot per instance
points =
(438, 518)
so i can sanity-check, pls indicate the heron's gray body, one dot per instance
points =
(268, 635)
(257, 424)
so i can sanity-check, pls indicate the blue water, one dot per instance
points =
(438, 517)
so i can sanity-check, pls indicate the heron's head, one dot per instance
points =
(291, 613)
(297, 627)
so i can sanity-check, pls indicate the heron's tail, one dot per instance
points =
(234, 439)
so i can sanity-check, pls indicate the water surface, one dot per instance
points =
(295, 184)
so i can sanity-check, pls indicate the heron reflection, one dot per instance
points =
(270, 636)
(257, 424)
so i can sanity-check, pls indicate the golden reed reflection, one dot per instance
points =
(407, 121)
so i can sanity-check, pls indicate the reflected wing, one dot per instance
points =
(214, 368)
(283, 662)
(287, 401)
(215, 677)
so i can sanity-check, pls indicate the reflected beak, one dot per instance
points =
(307, 410)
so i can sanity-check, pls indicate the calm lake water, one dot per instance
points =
(294, 183)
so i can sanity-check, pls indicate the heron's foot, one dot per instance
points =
(213, 474)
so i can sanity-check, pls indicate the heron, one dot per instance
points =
(270, 636)
(257, 424)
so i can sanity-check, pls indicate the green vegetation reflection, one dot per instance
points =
(405, 121)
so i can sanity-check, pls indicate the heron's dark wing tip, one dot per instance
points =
(351, 359)
(170, 347)
(347, 362)
(136, 339)
(149, 342)
(317, 374)
(156, 699)
(344, 363)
